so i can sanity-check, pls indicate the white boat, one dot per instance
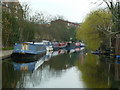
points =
(48, 45)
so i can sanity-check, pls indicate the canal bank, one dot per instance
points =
(5, 54)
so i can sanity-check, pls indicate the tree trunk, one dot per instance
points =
(110, 42)
(117, 47)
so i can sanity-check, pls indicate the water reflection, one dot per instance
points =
(31, 66)
(63, 69)
(116, 82)
(49, 54)
(50, 68)
(94, 73)
(117, 71)
(99, 71)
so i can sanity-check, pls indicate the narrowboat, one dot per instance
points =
(70, 46)
(82, 44)
(48, 45)
(99, 52)
(62, 45)
(118, 57)
(79, 44)
(55, 46)
(58, 45)
(27, 51)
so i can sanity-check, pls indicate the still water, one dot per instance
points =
(63, 69)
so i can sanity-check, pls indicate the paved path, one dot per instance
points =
(5, 53)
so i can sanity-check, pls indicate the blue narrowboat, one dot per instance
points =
(26, 52)
(118, 56)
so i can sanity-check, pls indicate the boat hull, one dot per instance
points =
(26, 57)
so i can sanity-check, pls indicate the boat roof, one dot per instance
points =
(45, 41)
(35, 43)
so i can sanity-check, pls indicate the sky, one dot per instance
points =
(71, 10)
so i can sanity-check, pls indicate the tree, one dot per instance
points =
(59, 29)
(114, 8)
(12, 14)
(94, 30)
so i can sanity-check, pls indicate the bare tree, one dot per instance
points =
(113, 6)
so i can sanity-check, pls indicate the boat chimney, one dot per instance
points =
(33, 42)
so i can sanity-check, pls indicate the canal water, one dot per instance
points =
(63, 69)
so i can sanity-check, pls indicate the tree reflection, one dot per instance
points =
(94, 73)
(9, 76)
(62, 62)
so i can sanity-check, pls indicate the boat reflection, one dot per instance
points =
(31, 66)
(24, 66)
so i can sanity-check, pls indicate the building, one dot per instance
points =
(13, 8)
(68, 23)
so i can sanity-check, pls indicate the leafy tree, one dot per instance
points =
(58, 27)
(20, 26)
(16, 24)
(95, 28)
(10, 22)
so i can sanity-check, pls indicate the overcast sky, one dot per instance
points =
(72, 10)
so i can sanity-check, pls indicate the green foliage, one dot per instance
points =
(8, 48)
(6, 28)
(59, 30)
(19, 26)
(15, 27)
(92, 31)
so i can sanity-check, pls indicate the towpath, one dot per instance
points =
(5, 54)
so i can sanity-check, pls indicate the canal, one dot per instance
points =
(63, 69)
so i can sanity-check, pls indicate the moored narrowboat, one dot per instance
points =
(58, 45)
(48, 45)
(79, 44)
(26, 52)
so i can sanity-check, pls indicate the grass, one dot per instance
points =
(7, 48)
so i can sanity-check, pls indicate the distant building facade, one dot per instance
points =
(13, 8)
(68, 23)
